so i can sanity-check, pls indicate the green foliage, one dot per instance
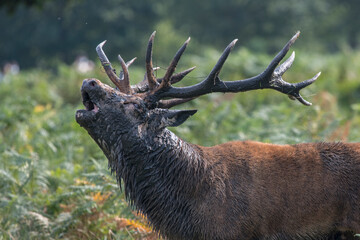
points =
(54, 181)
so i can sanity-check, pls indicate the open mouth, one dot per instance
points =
(89, 105)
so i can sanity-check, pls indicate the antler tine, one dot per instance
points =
(275, 62)
(213, 76)
(280, 70)
(149, 66)
(298, 86)
(128, 63)
(171, 69)
(125, 80)
(169, 77)
(179, 76)
(107, 66)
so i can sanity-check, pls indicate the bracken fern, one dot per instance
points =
(54, 181)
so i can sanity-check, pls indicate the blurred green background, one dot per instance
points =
(54, 181)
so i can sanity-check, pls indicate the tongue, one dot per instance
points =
(95, 108)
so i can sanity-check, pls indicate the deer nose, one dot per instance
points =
(89, 83)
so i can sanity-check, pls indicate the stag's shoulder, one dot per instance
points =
(239, 151)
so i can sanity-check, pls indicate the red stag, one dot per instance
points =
(236, 190)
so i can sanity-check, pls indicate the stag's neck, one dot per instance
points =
(160, 173)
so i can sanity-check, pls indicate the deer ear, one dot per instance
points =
(162, 118)
(173, 118)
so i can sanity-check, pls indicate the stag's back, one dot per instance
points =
(266, 189)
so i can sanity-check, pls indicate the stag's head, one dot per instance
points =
(127, 107)
(146, 105)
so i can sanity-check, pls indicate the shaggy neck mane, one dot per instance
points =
(160, 173)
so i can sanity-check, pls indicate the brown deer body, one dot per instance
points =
(237, 190)
(287, 192)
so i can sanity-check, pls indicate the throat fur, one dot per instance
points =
(154, 176)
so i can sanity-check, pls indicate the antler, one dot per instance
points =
(154, 90)
(123, 81)
(271, 78)
(143, 86)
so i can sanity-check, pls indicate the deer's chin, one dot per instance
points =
(85, 117)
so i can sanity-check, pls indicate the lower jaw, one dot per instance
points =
(83, 116)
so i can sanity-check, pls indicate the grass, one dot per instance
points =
(54, 181)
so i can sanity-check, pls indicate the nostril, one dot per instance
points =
(92, 83)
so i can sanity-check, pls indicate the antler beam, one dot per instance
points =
(271, 78)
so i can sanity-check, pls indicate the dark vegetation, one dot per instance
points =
(52, 31)
(54, 181)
